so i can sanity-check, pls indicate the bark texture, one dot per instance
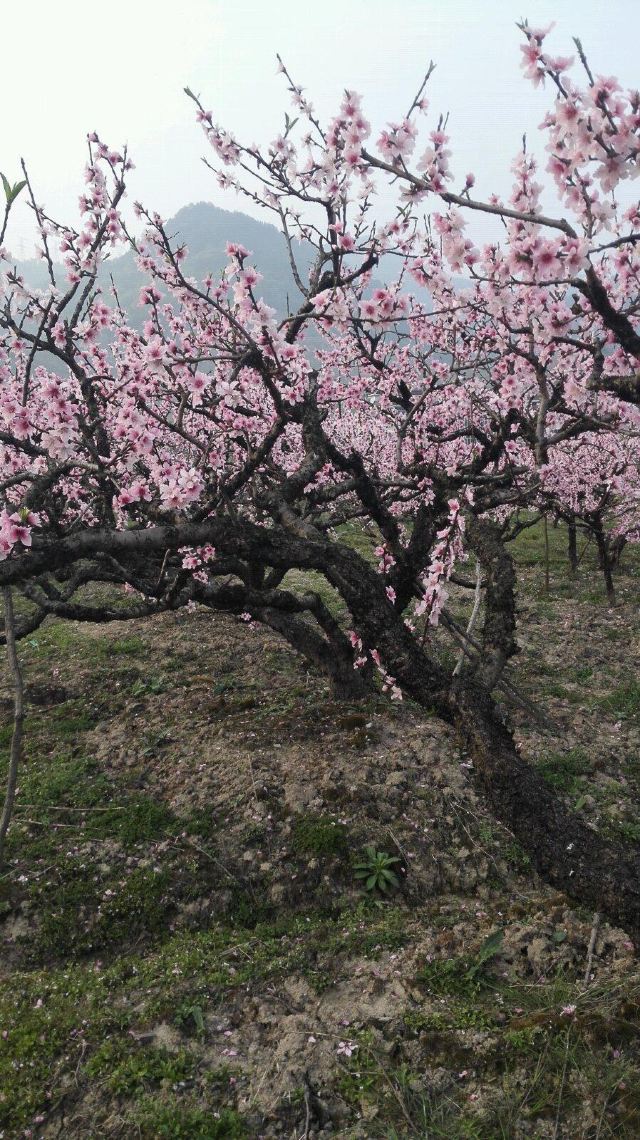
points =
(566, 852)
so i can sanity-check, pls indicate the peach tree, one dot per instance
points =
(423, 391)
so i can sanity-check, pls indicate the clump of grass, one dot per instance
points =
(137, 819)
(623, 701)
(128, 1069)
(125, 646)
(562, 770)
(72, 781)
(176, 1121)
(450, 977)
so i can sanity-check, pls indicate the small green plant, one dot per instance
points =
(375, 870)
(190, 1018)
(144, 685)
(488, 951)
(127, 1070)
(462, 977)
(173, 1120)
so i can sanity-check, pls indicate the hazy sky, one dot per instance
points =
(119, 68)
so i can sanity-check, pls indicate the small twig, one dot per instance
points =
(405, 857)
(602, 1114)
(592, 946)
(467, 642)
(207, 854)
(47, 823)
(583, 60)
(253, 779)
(307, 1105)
(585, 547)
(162, 570)
(40, 220)
(398, 1098)
(62, 807)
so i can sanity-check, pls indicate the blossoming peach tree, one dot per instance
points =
(200, 459)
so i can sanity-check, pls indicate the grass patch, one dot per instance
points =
(126, 1068)
(72, 790)
(85, 918)
(124, 647)
(555, 689)
(623, 702)
(319, 836)
(70, 781)
(451, 977)
(563, 770)
(176, 1121)
(138, 820)
(528, 548)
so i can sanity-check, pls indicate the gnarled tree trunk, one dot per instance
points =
(565, 851)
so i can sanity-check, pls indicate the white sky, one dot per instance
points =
(119, 68)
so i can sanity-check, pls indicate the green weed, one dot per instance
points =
(623, 702)
(158, 1120)
(375, 870)
(562, 770)
(127, 1068)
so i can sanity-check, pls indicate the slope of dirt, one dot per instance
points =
(187, 948)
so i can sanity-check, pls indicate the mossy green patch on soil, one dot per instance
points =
(319, 836)
(169, 1118)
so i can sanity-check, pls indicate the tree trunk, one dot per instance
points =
(348, 683)
(573, 547)
(605, 563)
(499, 628)
(565, 851)
(15, 754)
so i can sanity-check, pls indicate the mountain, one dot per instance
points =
(205, 229)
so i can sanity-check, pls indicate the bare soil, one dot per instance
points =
(201, 959)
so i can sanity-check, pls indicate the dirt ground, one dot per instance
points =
(189, 948)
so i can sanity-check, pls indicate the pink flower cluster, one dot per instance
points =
(14, 529)
(447, 550)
